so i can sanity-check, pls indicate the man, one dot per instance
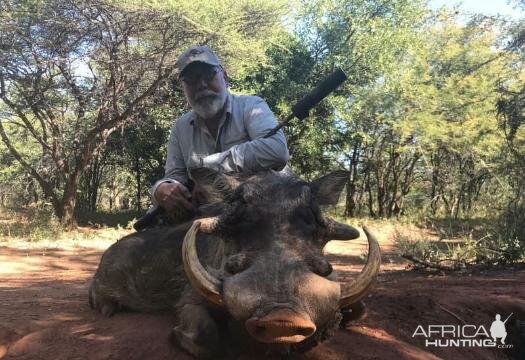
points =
(497, 329)
(223, 131)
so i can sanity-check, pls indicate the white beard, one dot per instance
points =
(208, 103)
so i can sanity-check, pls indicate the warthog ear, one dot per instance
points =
(328, 188)
(215, 185)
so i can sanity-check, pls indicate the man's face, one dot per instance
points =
(205, 88)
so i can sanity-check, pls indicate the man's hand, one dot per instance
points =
(174, 197)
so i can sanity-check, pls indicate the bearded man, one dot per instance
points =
(223, 131)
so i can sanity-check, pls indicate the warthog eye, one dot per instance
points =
(237, 263)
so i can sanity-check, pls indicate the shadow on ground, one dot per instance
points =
(44, 313)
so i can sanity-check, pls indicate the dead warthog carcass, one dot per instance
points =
(252, 265)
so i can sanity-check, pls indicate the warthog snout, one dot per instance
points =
(282, 326)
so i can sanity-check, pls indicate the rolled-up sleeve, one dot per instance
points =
(175, 167)
(258, 153)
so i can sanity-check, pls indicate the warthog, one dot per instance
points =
(252, 265)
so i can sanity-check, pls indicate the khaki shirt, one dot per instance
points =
(239, 146)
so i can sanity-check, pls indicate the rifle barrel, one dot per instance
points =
(508, 317)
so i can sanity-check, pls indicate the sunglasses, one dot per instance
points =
(194, 77)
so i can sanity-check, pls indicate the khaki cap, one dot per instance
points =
(198, 53)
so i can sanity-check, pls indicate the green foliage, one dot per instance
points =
(123, 219)
(429, 123)
(74, 73)
(40, 228)
(239, 31)
(31, 224)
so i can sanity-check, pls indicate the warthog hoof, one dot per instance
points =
(197, 332)
(354, 312)
(103, 305)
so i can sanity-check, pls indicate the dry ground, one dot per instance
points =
(44, 313)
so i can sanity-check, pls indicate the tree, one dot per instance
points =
(511, 115)
(364, 38)
(456, 120)
(74, 72)
(65, 78)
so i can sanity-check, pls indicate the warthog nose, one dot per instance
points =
(281, 326)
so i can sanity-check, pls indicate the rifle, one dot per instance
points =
(301, 111)
(508, 317)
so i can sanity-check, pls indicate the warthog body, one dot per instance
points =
(260, 271)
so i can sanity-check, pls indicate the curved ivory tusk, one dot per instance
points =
(205, 283)
(355, 290)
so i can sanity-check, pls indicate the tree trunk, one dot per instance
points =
(350, 201)
(370, 197)
(351, 187)
(94, 183)
(139, 184)
(67, 212)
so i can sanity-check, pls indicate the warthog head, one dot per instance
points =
(275, 278)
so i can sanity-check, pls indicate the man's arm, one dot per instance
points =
(259, 153)
(175, 167)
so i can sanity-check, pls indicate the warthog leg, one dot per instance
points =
(354, 312)
(105, 306)
(197, 331)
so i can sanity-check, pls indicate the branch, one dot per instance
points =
(42, 140)
(21, 115)
(74, 89)
(451, 313)
(119, 118)
(486, 62)
(48, 190)
(428, 264)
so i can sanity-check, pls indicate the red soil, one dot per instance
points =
(44, 313)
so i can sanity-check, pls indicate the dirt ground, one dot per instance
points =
(44, 312)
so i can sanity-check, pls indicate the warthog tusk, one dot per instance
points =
(353, 291)
(205, 283)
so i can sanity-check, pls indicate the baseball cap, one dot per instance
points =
(201, 53)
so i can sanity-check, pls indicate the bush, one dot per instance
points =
(492, 249)
(30, 223)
